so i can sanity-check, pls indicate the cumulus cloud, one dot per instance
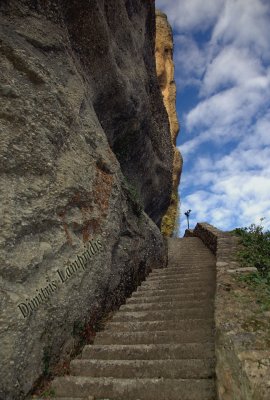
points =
(233, 189)
(190, 61)
(239, 103)
(245, 23)
(232, 66)
(187, 15)
(232, 200)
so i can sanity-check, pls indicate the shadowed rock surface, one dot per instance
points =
(80, 109)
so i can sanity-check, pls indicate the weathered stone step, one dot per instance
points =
(146, 297)
(189, 251)
(122, 369)
(132, 326)
(176, 291)
(195, 268)
(199, 335)
(191, 259)
(181, 269)
(167, 305)
(134, 389)
(200, 284)
(188, 267)
(186, 273)
(64, 398)
(181, 277)
(183, 272)
(182, 313)
(149, 351)
(180, 280)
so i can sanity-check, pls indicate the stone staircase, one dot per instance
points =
(160, 344)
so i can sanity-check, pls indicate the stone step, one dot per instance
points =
(123, 369)
(176, 291)
(180, 281)
(64, 398)
(175, 285)
(188, 268)
(199, 335)
(181, 269)
(132, 326)
(185, 277)
(181, 277)
(146, 297)
(197, 256)
(167, 305)
(149, 351)
(189, 252)
(190, 260)
(134, 389)
(196, 264)
(182, 313)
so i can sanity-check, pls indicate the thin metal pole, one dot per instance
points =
(187, 215)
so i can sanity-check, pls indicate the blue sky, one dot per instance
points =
(222, 72)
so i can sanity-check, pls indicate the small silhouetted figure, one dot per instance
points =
(187, 215)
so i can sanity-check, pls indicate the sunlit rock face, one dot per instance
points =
(165, 72)
(86, 173)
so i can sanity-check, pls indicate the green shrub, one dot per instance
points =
(48, 393)
(255, 250)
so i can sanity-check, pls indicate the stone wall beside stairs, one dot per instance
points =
(242, 328)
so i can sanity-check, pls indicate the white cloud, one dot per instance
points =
(239, 103)
(261, 133)
(190, 61)
(245, 23)
(186, 15)
(232, 66)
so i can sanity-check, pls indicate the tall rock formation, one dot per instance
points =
(86, 165)
(165, 72)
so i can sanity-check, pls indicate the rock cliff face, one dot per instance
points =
(165, 72)
(86, 173)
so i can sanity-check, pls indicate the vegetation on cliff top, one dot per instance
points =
(170, 221)
(255, 252)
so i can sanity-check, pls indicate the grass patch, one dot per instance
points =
(48, 393)
(260, 287)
